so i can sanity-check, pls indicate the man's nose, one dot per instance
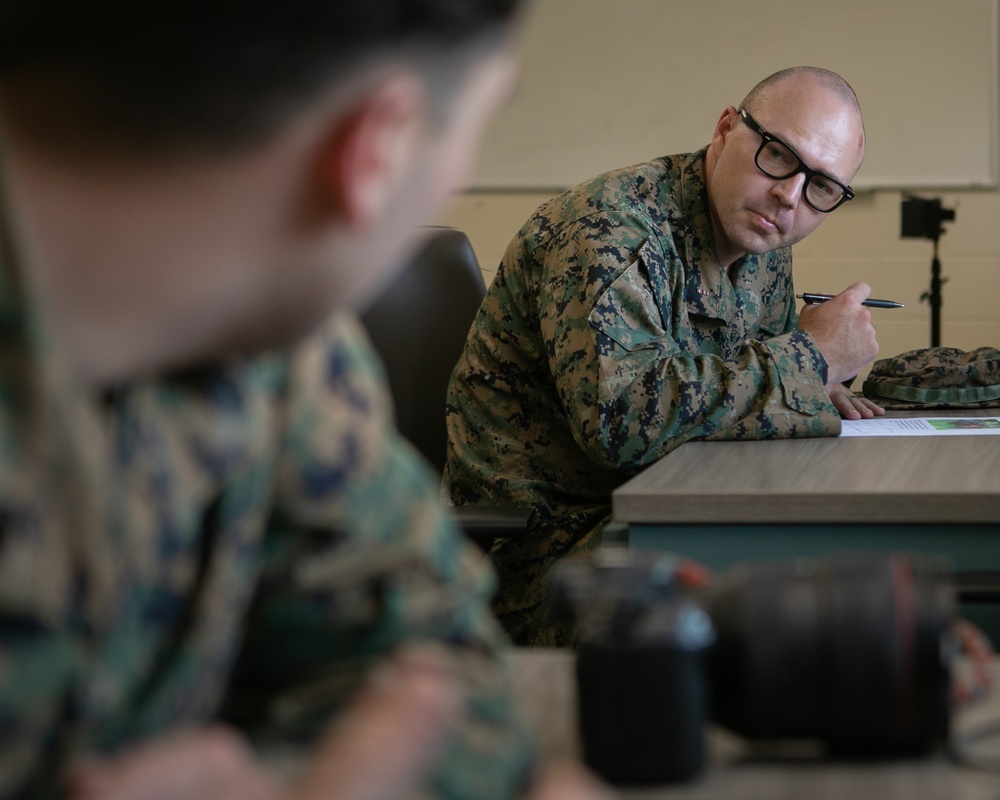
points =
(789, 191)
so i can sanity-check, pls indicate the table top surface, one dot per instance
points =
(919, 479)
(546, 693)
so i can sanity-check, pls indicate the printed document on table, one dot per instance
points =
(921, 426)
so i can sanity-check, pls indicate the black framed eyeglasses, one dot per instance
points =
(779, 161)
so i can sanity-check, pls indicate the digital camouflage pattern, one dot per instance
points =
(610, 335)
(238, 542)
(936, 377)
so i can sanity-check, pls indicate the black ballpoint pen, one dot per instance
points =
(872, 303)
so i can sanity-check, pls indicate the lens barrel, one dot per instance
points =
(850, 650)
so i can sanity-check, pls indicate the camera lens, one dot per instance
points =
(851, 650)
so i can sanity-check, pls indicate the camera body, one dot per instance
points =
(641, 677)
(922, 218)
(852, 650)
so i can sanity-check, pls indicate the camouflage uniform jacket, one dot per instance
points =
(243, 540)
(609, 336)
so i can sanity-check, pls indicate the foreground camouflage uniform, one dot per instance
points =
(611, 335)
(145, 534)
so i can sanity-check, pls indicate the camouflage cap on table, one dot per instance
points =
(936, 377)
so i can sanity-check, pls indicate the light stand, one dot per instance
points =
(922, 218)
(933, 296)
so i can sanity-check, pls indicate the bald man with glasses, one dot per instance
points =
(650, 306)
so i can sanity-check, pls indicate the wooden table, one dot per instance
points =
(727, 502)
(546, 693)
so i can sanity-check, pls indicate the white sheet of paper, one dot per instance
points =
(921, 426)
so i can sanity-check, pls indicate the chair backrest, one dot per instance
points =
(419, 326)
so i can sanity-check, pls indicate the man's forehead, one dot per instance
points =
(822, 127)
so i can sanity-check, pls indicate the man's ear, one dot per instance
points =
(723, 128)
(371, 148)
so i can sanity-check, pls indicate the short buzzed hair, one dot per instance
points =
(826, 78)
(154, 75)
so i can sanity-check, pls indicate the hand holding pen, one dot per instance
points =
(812, 298)
(842, 328)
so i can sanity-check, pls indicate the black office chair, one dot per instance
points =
(418, 326)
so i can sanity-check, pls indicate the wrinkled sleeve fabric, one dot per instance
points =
(361, 558)
(639, 374)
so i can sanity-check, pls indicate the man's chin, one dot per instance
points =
(758, 245)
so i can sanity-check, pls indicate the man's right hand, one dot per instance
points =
(843, 330)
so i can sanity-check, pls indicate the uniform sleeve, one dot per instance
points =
(362, 558)
(636, 384)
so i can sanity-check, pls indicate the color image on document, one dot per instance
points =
(964, 423)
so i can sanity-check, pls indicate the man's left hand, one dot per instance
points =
(850, 405)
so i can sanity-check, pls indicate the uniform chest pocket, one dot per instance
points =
(627, 310)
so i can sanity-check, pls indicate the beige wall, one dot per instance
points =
(859, 241)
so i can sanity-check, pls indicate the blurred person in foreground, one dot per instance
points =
(212, 535)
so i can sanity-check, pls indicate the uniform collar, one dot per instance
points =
(708, 290)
